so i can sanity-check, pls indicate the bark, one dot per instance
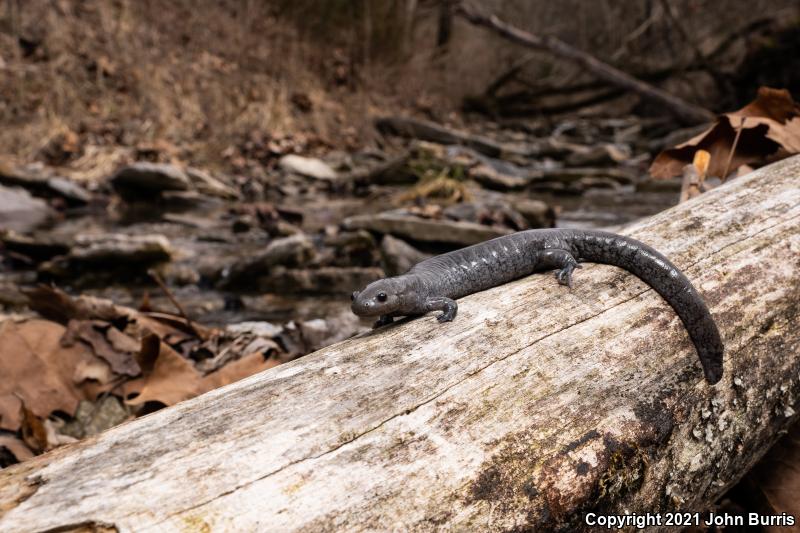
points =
(537, 405)
(682, 110)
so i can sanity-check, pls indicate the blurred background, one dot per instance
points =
(222, 174)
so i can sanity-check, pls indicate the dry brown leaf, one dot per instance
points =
(33, 431)
(173, 379)
(98, 335)
(232, 372)
(17, 447)
(770, 128)
(39, 371)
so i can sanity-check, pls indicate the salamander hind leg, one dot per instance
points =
(561, 260)
(448, 307)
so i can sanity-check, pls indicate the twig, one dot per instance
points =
(699, 57)
(153, 274)
(684, 111)
(733, 151)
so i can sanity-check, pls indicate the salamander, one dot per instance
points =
(434, 284)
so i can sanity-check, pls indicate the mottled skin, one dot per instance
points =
(435, 284)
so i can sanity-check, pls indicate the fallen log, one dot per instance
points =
(681, 109)
(536, 406)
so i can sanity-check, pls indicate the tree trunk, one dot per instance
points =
(537, 405)
(684, 111)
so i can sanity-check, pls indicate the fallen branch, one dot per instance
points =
(430, 131)
(537, 405)
(684, 111)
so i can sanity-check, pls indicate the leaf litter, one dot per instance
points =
(89, 364)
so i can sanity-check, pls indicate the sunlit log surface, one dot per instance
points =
(536, 405)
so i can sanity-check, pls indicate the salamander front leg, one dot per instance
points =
(561, 260)
(383, 320)
(448, 307)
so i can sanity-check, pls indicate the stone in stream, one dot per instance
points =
(490, 213)
(36, 248)
(397, 256)
(536, 212)
(491, 178)
(207, 184)
(293, 251)
(144, 180)
(401, 223)
(307, 166)
(325, 280)
(19, 211)
(39, 181)
(96, 257)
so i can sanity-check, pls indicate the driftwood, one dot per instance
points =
(537, 405)
(684, 111)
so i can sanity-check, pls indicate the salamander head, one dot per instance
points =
(380, 297)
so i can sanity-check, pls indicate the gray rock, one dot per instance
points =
(95, 259)
(492, 178)
(70, 191)
(37, 247)
(255, 328)
(422, 229)
(307, 166)
(325, 280)
(537, 213)
(397, 256)
(145, 180)
(205, 183)
(138, 249)
(40, 181)
(19, 211)
(492, 213)
(292, 251)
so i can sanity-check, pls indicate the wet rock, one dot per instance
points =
(142, 249)
(351, 248)
(70, 191)
(188, 200)
(490, 213)
(292, 251)
(601, 154)
(145, 180)
(325, 280)
(35, 248)
(205, 183)
(599, 182)
(319, 333)
(40, 182)
(491, 178)
(537, 213)
(108, 257)
(11, 296)
(400, 223)
(624, 176)
(307, 166)
(393, 171)
(397, 256)
(255, 328)
(19, 211)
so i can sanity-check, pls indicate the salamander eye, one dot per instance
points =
(381, 297)
(353, 296)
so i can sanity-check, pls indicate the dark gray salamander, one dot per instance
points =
(435, 283)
